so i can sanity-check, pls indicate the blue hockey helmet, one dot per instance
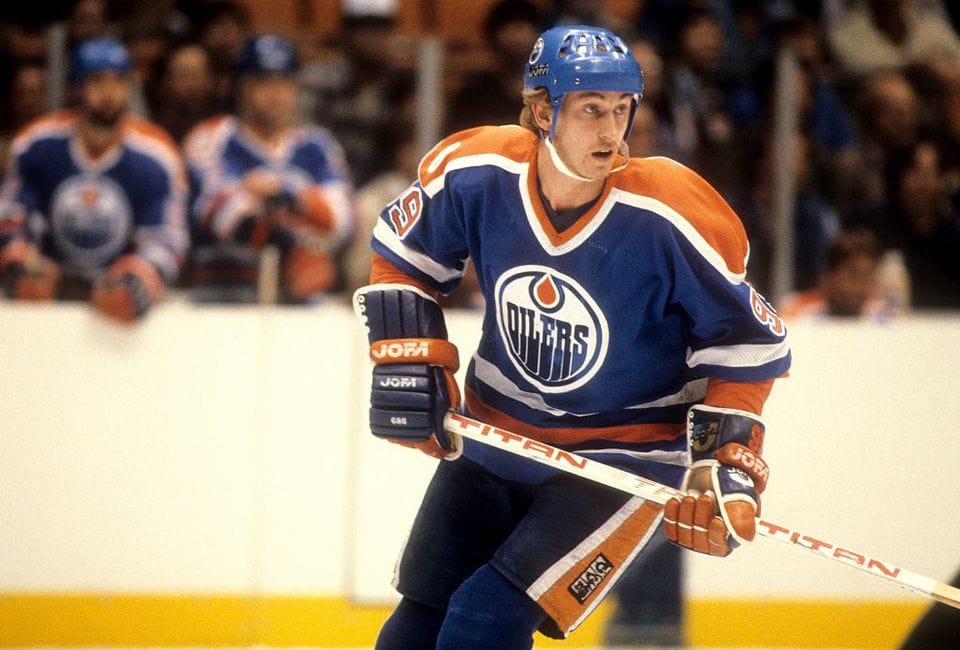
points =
(573, 58)
(263, 55)
(99, 54)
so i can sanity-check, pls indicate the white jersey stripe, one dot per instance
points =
(683, 226)
(693, 391)
(738, 356)
(493, 377)
(478, 160)
(385, 235)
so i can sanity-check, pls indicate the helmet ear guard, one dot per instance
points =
(575, 58)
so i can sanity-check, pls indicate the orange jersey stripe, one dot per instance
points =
(513, 142)
(694, 199)
(383, 272)
(571, 436)
(746, 396)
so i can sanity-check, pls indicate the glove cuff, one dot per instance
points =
(434, 352)
(711, 427)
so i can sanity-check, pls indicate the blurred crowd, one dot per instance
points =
(875, 165)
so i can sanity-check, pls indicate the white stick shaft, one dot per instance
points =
(578, 465)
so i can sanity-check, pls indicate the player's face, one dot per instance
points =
(590, 129)
(104, 97)
(270, 100)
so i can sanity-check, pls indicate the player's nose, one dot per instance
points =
(609, 128)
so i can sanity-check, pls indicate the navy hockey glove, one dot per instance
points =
(724, 482)
(413, 382)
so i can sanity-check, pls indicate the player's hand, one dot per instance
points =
(26, 274)
(408, 403)
(128, 289)
(263, 183)
(723, 485)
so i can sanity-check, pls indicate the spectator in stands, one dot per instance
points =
(873, 36)
(711, 120)
(93, 204)
(652, 133)
(488, 96)
(221, 27)
(815, 222)
(890, 121)
(372, 84)
(823, 115)
(28, 101)
(921, 219)
(88, 19)
(182, 96)
(849, 286)
(262, 179)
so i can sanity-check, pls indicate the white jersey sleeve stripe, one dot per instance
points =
(478, 160)
(738, 356)
(426, 264)
(693, 391)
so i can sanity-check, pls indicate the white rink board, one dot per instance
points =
(221, 449)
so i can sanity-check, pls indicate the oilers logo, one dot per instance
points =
(553, 330)
(91, 220)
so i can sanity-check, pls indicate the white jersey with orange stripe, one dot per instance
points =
(600, 336)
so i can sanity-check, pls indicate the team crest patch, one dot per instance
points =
(91, 220)
(591, 577)
(553, 330)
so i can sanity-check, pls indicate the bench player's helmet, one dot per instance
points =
(573, 58)
(265, 55)
(99, 54)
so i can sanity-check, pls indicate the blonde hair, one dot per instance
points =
(538, 96)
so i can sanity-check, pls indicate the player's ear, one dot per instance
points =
(542, 116)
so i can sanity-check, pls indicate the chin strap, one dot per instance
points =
(623, 150)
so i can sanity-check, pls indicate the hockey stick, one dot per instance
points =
(642, 487)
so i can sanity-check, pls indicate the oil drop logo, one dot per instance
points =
(553, 330)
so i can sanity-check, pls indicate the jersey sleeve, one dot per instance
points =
(160, 235)
(218, 202)
(17, 198)
(421, 232)
(323, 191)
(734, 334)
(158, 192)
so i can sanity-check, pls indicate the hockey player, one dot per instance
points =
(262, 179)
(93, 205)
(617, 324)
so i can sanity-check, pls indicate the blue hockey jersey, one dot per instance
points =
(84, 213)
(603, 334)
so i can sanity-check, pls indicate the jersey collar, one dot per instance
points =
(553, 242)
